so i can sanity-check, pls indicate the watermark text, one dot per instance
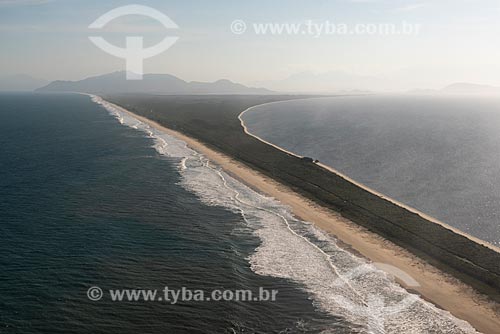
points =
(173, 296)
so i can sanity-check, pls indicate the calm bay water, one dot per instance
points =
(440, 155)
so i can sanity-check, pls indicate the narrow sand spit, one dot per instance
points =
(435, 286)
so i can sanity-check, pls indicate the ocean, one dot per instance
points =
(92, 197)
(437, 154)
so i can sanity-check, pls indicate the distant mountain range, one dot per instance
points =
(323, 83)
(461, 88)
(151, 83)
(468, 88)
(20, 82)
(166, 84)
(399, 81)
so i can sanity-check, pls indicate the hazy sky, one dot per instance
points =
(458, 39)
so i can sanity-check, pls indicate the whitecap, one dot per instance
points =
(337, 281)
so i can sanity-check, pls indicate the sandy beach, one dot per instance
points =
(437, 287)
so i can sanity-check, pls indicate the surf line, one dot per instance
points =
(326, 256)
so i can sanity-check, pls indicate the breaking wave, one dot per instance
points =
(338, 282)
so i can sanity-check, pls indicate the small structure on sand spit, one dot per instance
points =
(307, 159)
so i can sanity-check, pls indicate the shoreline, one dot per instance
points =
(365, 187)
(439, 288)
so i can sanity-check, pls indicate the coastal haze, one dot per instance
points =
(48, 39)
(340, 156)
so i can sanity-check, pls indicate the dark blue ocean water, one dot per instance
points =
(438, 154)
(85, 201)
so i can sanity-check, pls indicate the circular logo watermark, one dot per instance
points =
(238, 27)
(134, 53)
(94, 293)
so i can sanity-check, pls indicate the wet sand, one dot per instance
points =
(438, 287)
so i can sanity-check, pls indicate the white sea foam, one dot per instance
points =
(338, 282)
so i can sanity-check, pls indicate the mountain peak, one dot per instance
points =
(115, 82)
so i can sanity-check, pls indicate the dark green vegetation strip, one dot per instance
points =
(213, 120)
